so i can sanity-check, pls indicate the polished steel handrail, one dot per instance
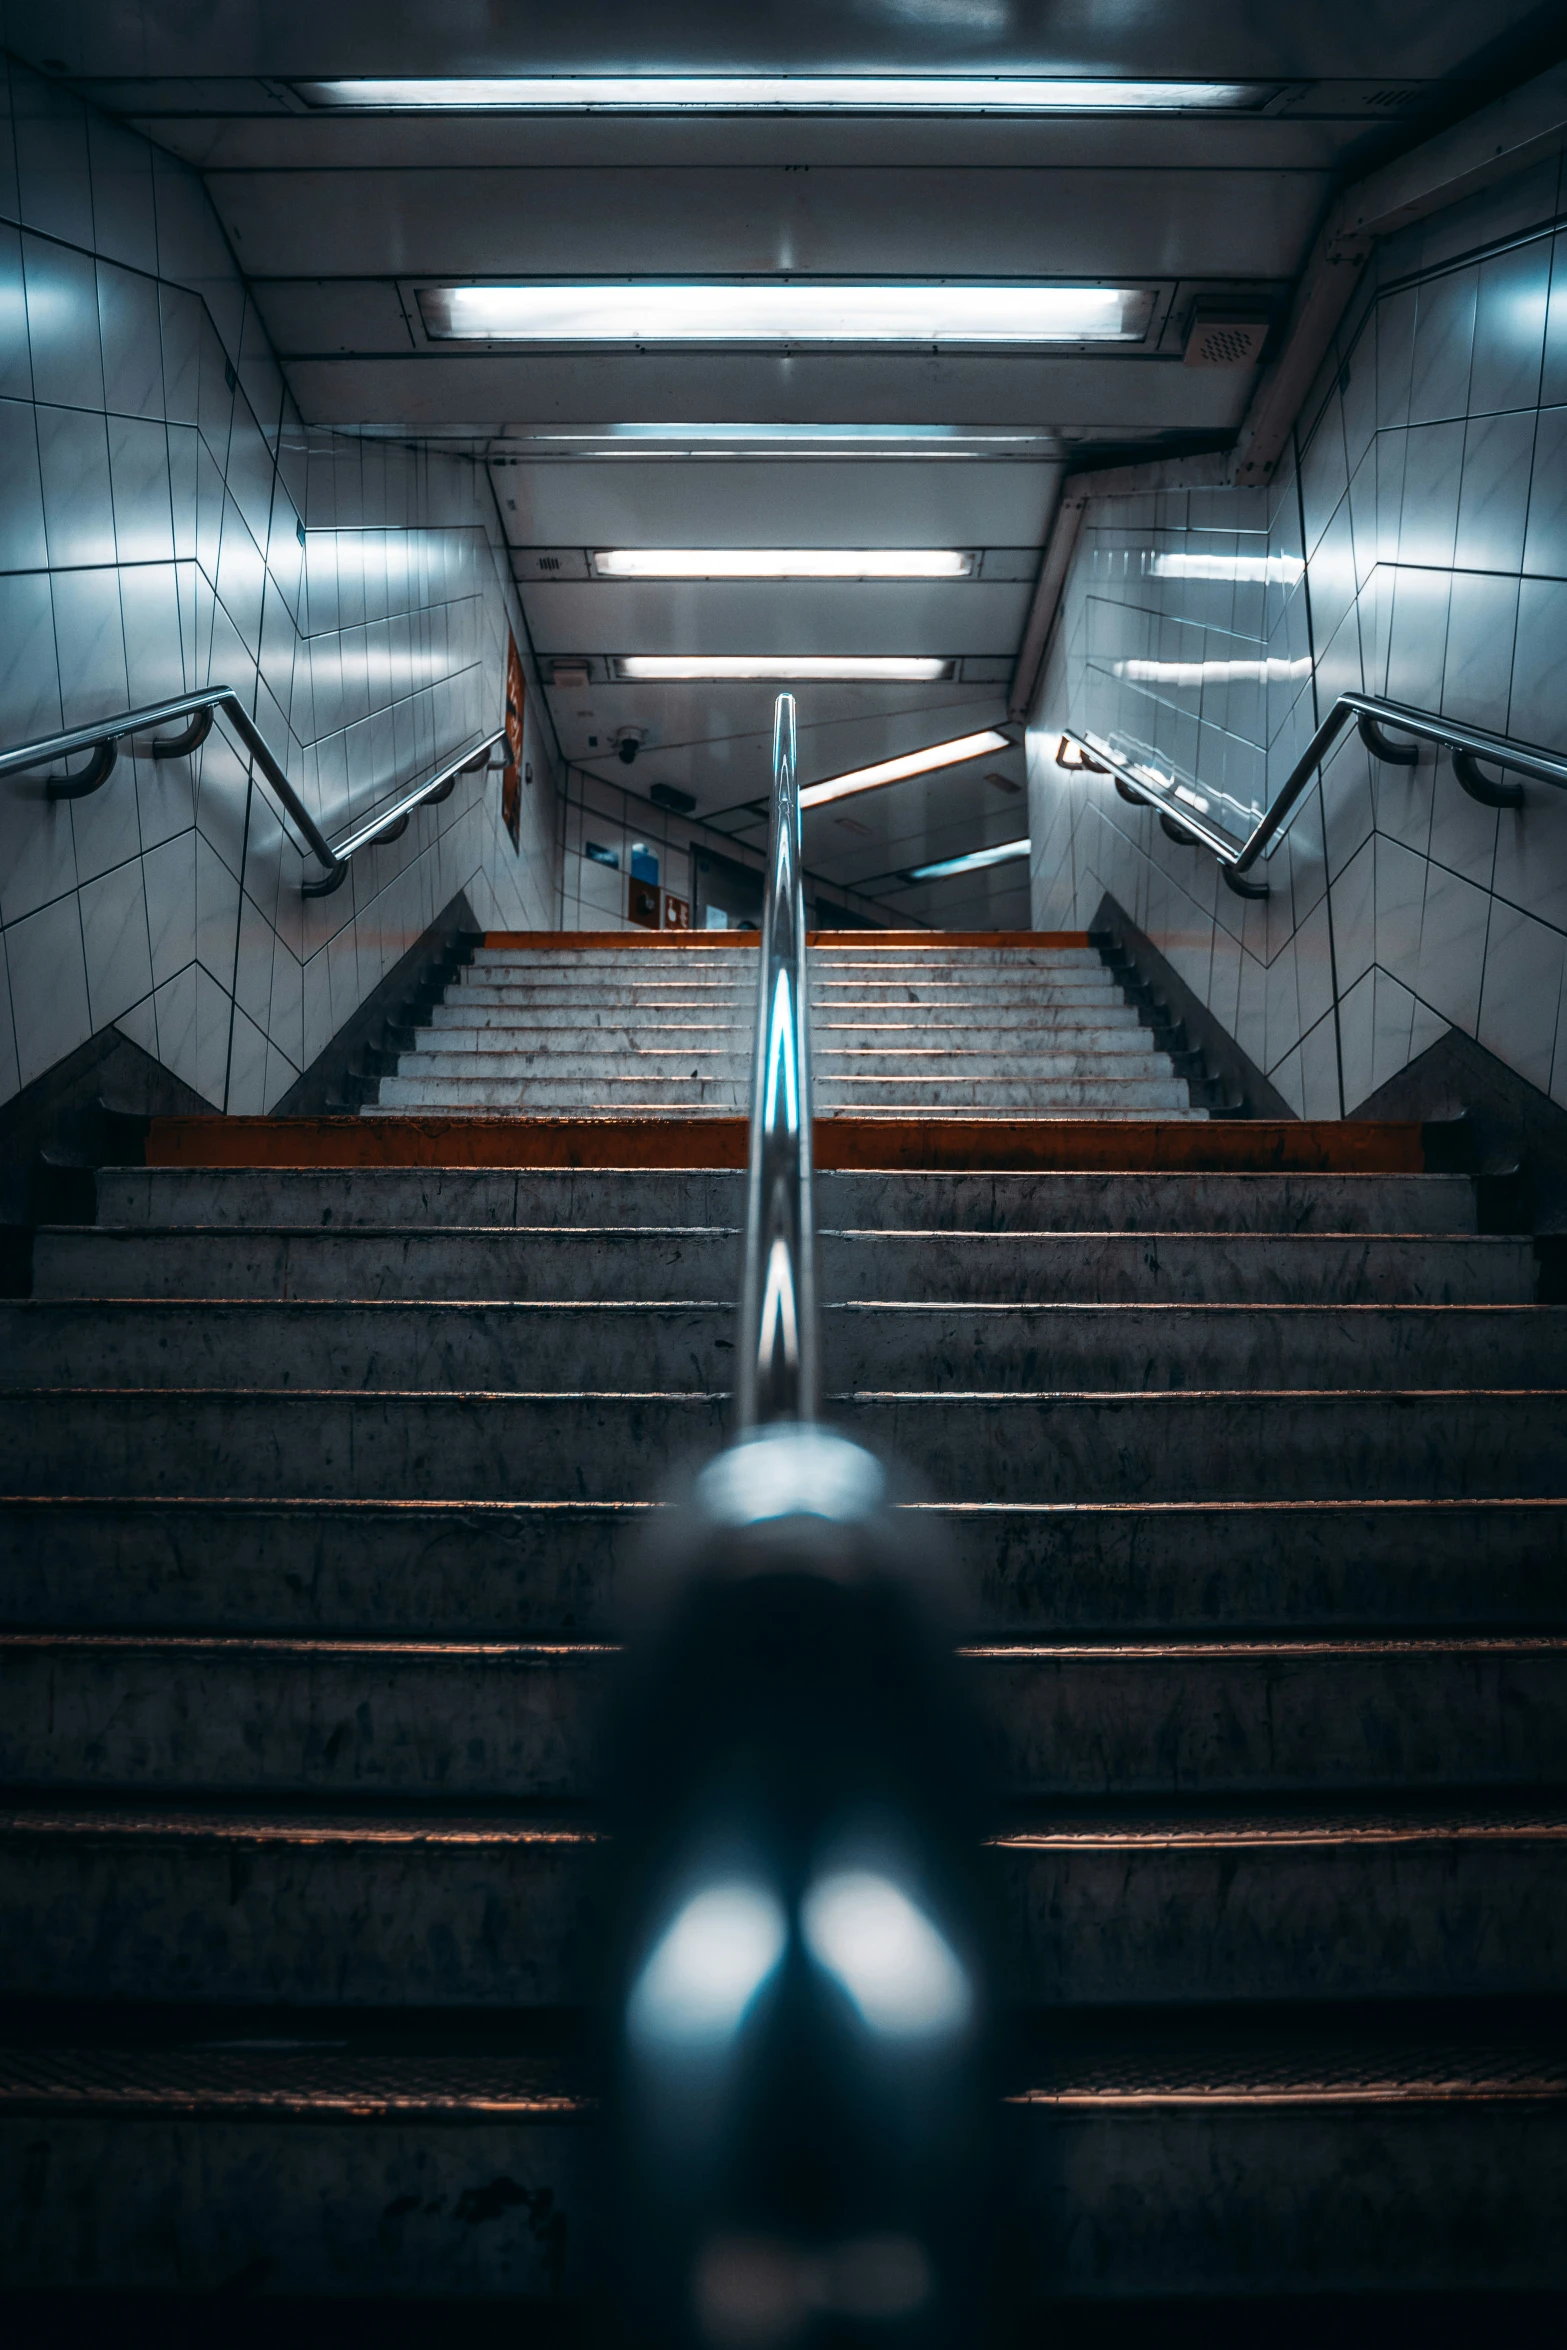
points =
(779, 1377)
(105, 735)
(1373, 715)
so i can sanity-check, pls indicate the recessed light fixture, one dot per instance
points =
(1274, 670)
(1265, 570)
(899, 669)
(948, 754)
(792, 93)
(524, 444)
(785, 310)
(781, 563)
(972, 863)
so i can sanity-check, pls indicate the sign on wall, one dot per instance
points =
(511, 773)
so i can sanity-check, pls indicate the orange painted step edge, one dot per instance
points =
(680, 940)
(1020, 1145)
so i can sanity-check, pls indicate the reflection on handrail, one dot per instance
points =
(104, 736)
(1468, 745)
(778, 1366)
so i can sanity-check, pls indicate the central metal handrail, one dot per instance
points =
(779, 1377)
(1468, 745)
(104, 736)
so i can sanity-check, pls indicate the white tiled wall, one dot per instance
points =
(1417, 548)
(167, 522)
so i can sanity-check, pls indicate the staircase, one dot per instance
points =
(1250, 1445)
(925, 1023)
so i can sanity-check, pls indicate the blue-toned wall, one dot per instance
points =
(1416, 547)
(166, 522)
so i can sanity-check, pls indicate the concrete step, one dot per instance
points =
(510, 1263)
(654, 1057)
(939, 1022)
(525, 1722)
(574, 1027)
(960, 960)
(947, 1001)
(675, 1097)
(433, 1197)
(486, 1028)
(278, 1343)
(1345, 1445)
(1119, 1056)
(394, 1905)
(1105, 1095)
(519, 1569)
(1330, 2153)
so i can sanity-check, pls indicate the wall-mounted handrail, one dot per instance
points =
(778, 1356)
(104, 736)
(1373, 716)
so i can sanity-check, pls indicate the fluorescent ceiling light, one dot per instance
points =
(972, 863)
(1271, 570)
(776, 440)
(1268, 672)
(795, 310)
(888, 668)
(798, 432)
(949, 754)
(781, 563)
(793, 93)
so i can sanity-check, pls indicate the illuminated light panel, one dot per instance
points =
(791, 93)
(794, 310)
(886, 668)
(1261, 570)
(800, 432)
(1267, 672)
(781, 563)
(974, 862)
(761, 440)
(949, 754)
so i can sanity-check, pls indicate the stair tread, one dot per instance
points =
(397, 2070)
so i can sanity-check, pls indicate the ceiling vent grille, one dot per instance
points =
(1219, 338)
(1392, 100)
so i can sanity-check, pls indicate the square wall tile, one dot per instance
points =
(114, 936)
(1509, 343)
(131, 336)
(62, 325)
(1545, 541)
(1444, 339)
(1521, 993)
(1493, 498)
(73, 459)
(48, 975)
(1537, 712)
(1452, 947)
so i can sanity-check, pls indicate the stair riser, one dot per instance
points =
(955, 1349)
(434, 1197)
(1107, 1095)
(525, 1570)
(672, 1058)
(1277, 2198)
(313, 1919)
(608, 1447)
(444, 2208)
(690, 1095)
(977, 1045)
(587, 1266)
(590, 1023)
(438, 1724)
